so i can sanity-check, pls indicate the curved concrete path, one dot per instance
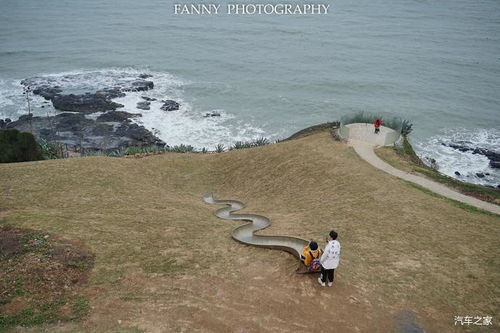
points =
(246, 233)
(366, 151)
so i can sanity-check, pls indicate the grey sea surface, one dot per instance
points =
(436, 63)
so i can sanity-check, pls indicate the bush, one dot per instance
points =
(50, 150)
(250, 144)
(18, 146)
(182, 148)
(220, 148)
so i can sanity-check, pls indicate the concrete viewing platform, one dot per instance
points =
(366, 133)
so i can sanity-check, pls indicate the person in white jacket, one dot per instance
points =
(330, 259)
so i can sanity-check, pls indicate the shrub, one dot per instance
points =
(50, 150)
(220, 148)
(406, 128)
(182, 148)
(18, 146)
(250, 144)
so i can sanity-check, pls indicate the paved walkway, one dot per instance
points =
(366, 151)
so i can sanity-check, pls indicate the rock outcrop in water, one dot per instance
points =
(77, 128)
(86, 103)
(144, 105)
(170, 105)
(110, 131)
(89, 102)
(493, 156)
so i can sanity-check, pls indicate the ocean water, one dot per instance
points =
(436, 63)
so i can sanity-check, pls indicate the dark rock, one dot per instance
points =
(212, 114)
(495, 164)
(138, 134)
(149, 99)
(480, 174)
(490, 154)
(457, 173)
(116, 116)
(45, 132)
(7, 120)
(139, 86)
(75, 130)
(498, 186)
(87, 103)
(170, 105)
(2, 124)
(110, 93)
(47, 92)
(25, 117)
(71, 122)
(143, 105)
(101, 129)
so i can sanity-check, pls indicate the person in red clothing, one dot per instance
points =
(377, 125)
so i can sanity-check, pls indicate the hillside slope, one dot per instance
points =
(163, 262)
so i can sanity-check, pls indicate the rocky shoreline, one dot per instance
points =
(493, 156)
(89, 121)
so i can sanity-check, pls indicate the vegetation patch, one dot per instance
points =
(18, 146)
(40, 278)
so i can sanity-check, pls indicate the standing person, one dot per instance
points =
(310, 257)
(330, 259)
(377, 125)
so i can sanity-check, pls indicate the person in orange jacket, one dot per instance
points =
(310, 256)
(377, 125)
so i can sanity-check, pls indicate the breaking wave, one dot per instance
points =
(188, 125)
(471, 167)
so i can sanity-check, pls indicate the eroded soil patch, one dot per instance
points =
(41, 277)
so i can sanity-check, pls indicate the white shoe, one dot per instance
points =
(330, 284)
(321, 282)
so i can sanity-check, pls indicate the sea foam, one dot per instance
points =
(450, 160)
(188, 125)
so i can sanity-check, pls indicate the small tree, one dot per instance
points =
(18, 146)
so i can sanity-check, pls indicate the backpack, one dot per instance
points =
(315, 265)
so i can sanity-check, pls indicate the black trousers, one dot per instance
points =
(327, 273)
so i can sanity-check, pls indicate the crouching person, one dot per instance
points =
(310, 256)
(329, 259)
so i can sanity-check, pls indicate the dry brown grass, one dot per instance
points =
(165, 263)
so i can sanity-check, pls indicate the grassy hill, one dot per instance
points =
(163, 262)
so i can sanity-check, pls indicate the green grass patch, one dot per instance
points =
(168, 266)
(41, 312)
(80, 308)
(80, 264)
